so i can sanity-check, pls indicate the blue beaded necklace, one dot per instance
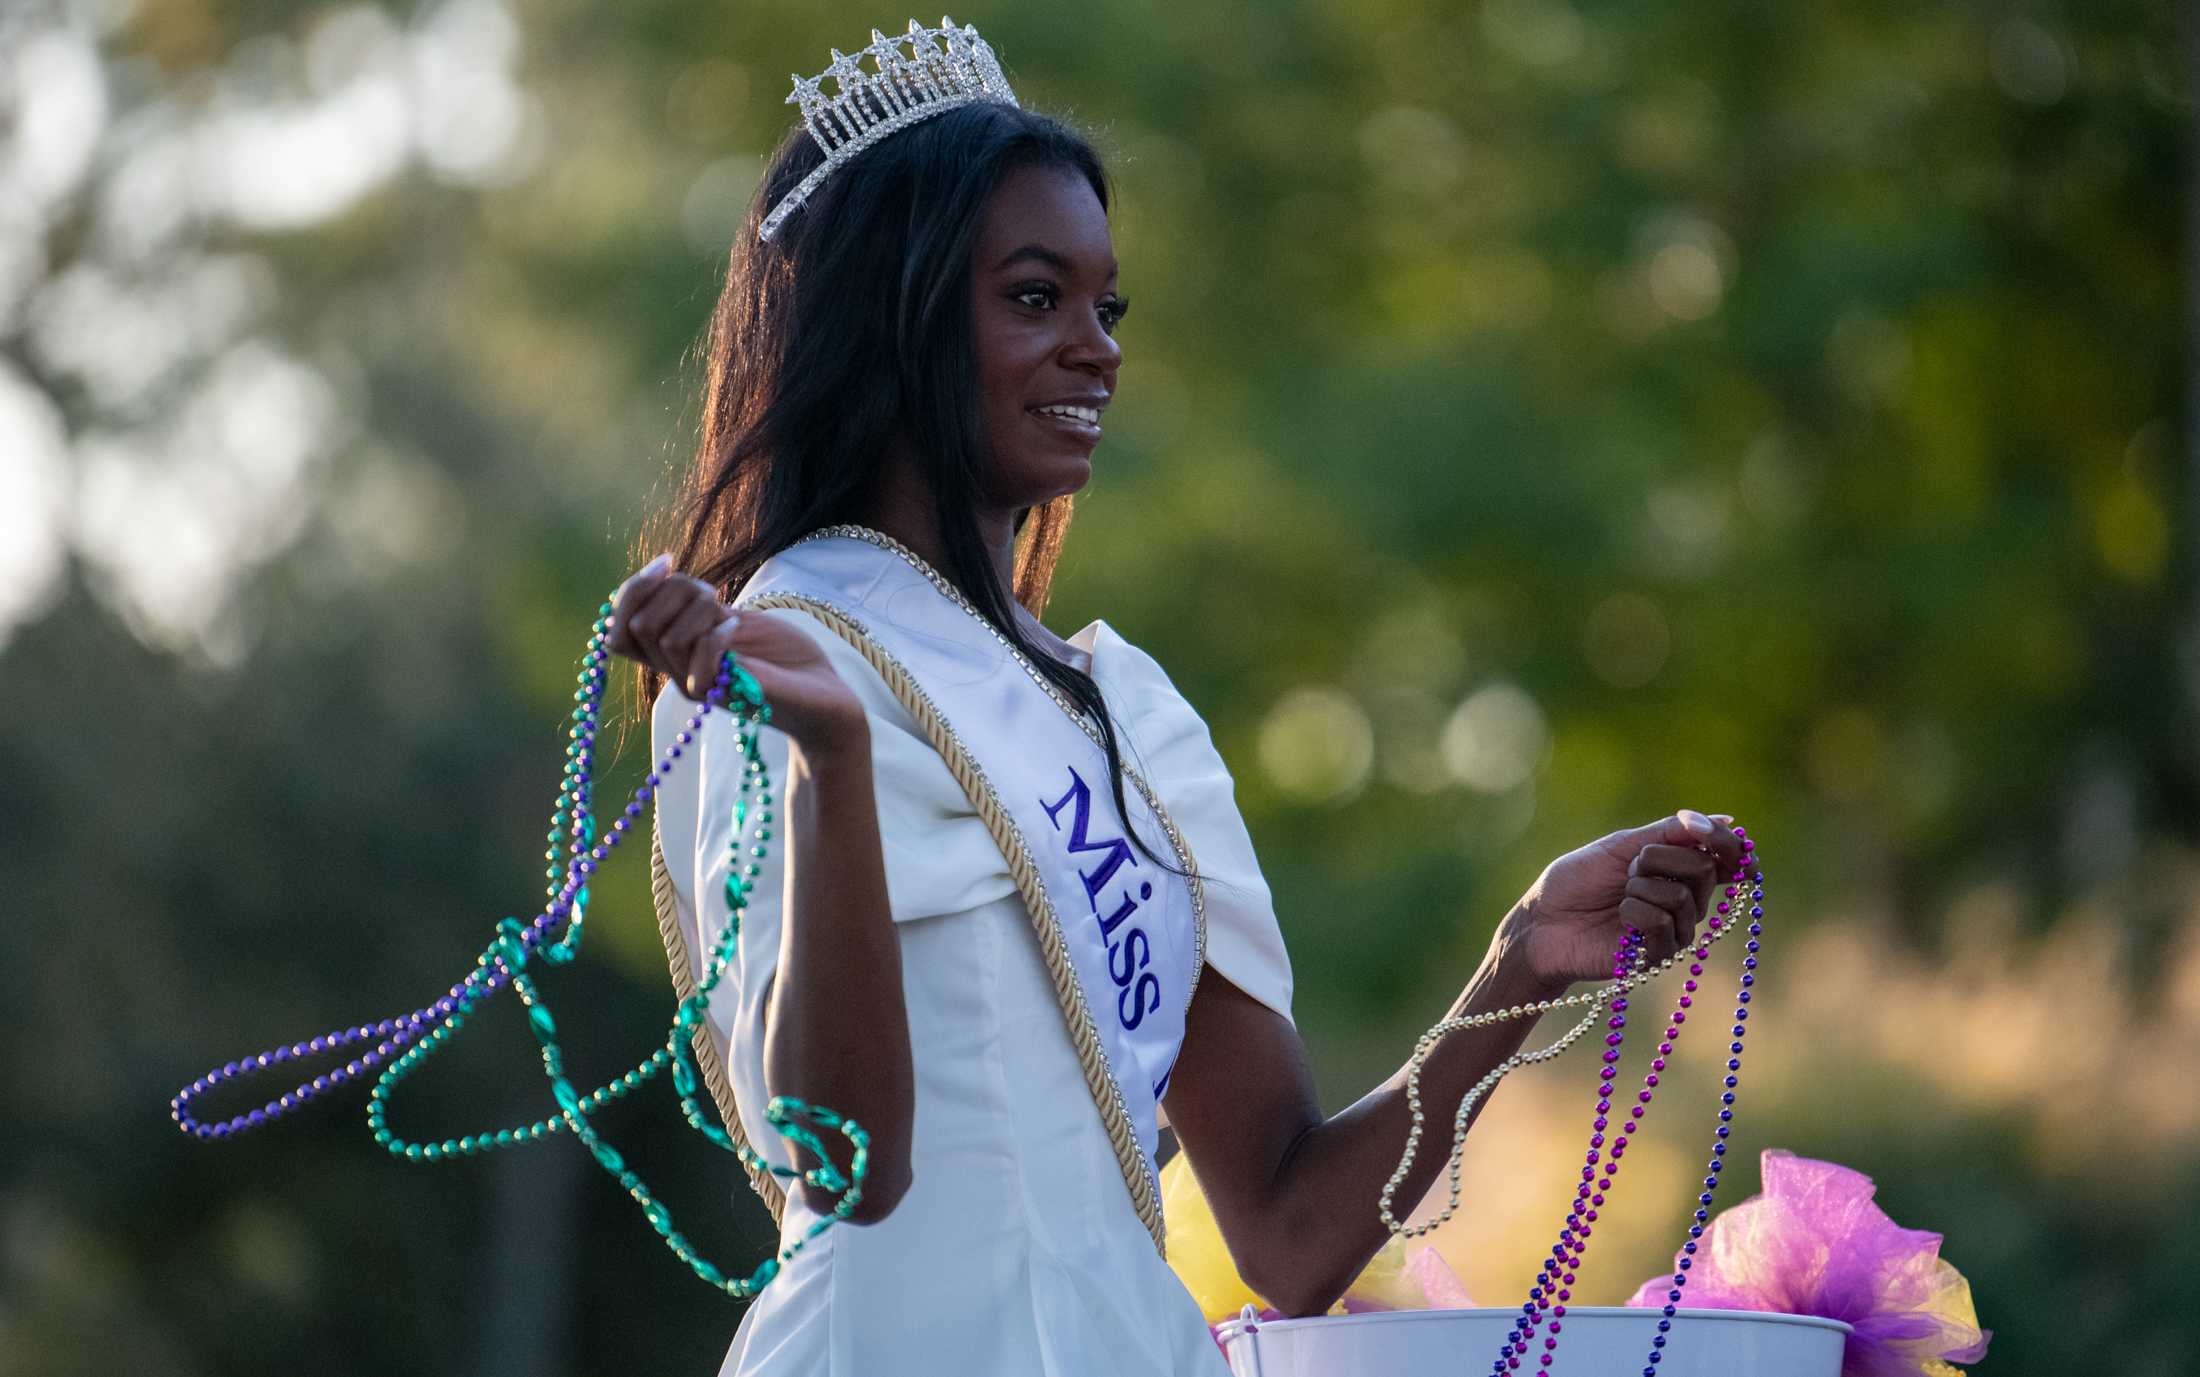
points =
(413, 1037)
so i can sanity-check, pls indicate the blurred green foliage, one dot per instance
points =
(1537, 415)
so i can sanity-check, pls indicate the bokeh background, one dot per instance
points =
(1537, 415)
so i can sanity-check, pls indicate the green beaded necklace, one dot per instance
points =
(507, 956)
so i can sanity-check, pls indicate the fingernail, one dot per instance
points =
(1696, 822)
(659, 562)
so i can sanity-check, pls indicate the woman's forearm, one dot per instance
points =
(1329, 1185)
(836, 1030)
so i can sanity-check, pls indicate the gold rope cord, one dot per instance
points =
(707, 1061)
(1092, 1058)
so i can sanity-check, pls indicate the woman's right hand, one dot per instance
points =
(1656, 879)
(678, 626)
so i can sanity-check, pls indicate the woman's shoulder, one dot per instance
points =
(1139, 691)
(905, 768)
(939, 856)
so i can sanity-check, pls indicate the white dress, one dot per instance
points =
(1017, 1251)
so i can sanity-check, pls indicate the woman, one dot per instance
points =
(969, 934)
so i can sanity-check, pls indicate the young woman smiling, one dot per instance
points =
(1011, 920)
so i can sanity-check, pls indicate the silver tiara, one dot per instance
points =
(906, 86)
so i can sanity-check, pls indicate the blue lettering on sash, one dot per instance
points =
(1109, 924)
(1138, 990)
(1116, 851)
(1144, 998)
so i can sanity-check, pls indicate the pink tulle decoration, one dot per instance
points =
(1437, 1281)
(1814, 1244)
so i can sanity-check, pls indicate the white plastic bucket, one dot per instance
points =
(1597, 1341)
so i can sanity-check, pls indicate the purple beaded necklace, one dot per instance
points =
(1544, 1311)
(412, 1037)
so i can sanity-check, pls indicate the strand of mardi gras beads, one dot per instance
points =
(1597, 1000)
(568, 902)
(424, 1031)
(1756, 930)
(1548, 1296)
(1551, 1289)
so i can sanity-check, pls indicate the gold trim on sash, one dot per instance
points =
(1092, 1057)
(707, 1061)
(854, 531)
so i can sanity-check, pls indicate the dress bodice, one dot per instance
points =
(1016, 1250)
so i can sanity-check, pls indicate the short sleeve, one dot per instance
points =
(1171, 746)
(938, 855)
(939, 858)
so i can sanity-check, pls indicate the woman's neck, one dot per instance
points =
(900, 505)
(903, 509)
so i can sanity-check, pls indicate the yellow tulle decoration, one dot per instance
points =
(1202, 1260)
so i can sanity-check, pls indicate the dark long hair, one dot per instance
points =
(852, 325)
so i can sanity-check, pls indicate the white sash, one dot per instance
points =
(1133, 932)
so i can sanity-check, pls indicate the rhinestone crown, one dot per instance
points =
(919, 74)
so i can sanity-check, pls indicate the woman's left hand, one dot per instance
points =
(1658, 878)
